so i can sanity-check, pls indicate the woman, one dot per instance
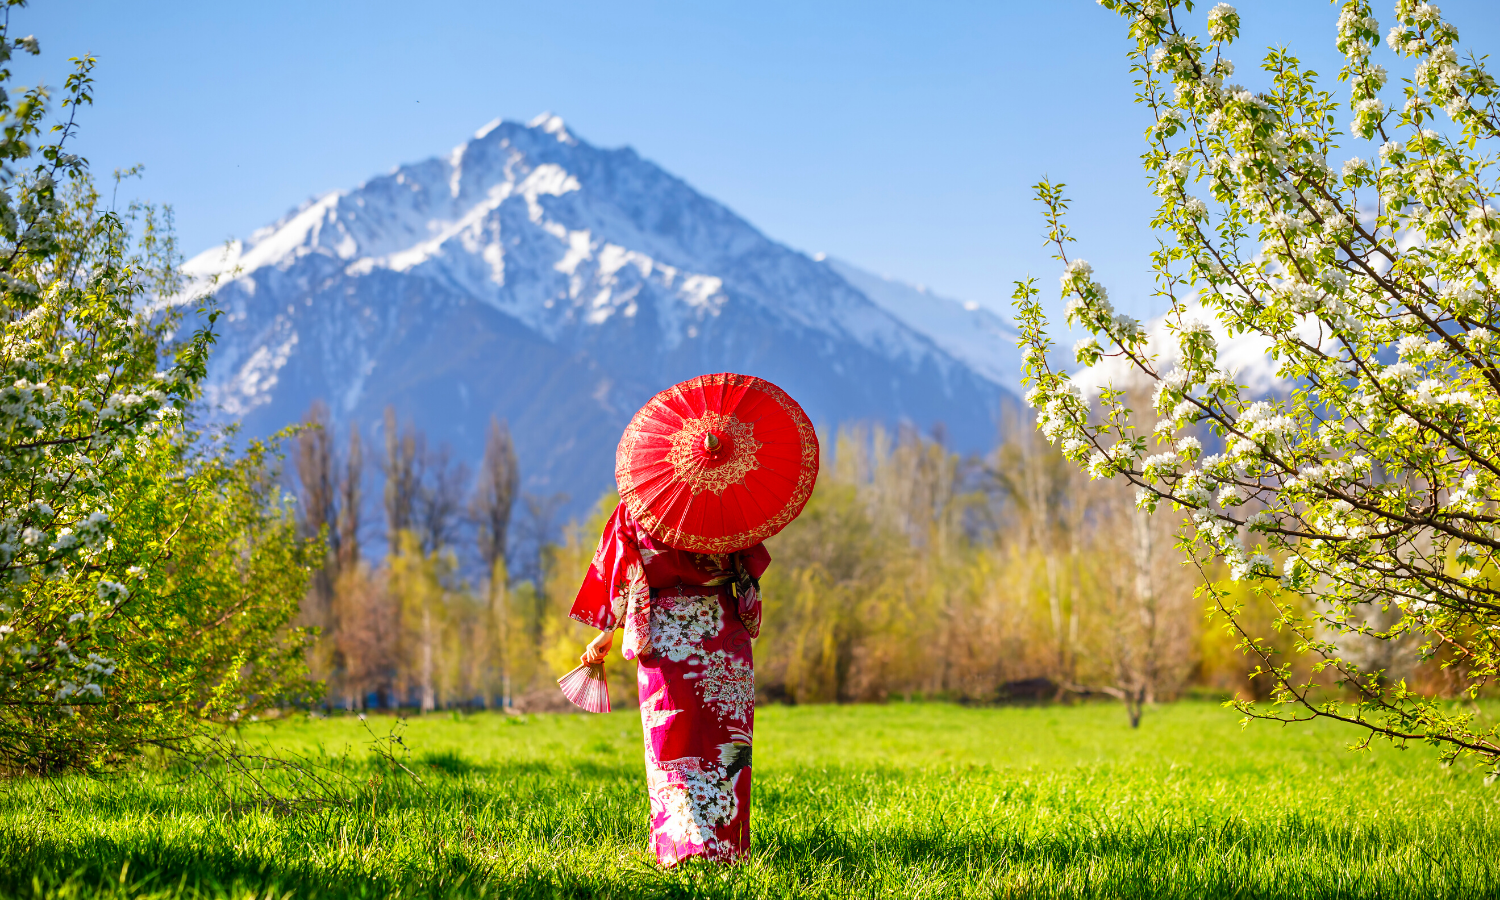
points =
(688, 619)
(707, 470)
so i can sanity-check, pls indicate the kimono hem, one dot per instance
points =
(689, 619)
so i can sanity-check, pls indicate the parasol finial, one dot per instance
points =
(711, 442)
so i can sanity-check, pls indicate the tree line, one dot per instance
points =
(913, 571)
(428, 620)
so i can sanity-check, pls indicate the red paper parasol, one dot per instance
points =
(717, 463)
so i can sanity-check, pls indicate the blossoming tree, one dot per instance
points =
(1361, 500)
(146, 577)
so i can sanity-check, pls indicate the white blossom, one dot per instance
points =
(112, 591)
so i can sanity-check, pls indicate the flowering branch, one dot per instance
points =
(1362, 499)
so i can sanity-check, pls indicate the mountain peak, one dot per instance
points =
(554, 126)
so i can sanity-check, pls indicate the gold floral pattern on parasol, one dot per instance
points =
(702, 471)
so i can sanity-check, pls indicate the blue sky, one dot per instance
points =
(903, 137)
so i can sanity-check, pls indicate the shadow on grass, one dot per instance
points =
(365, 784)
(1296, 858)
(104, 868)
(818, 861)
(451, 762)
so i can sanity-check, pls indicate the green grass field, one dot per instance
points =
(906, 800)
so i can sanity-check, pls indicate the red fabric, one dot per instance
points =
(629, 562)
(697, 692)
(688, 621)
(718, 463)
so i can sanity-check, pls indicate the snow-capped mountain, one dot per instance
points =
(533, 277)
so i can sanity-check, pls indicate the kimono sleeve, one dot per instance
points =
(756, 560)
(615, 592)
(749, 566)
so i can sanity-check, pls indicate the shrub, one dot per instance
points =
(147, 575)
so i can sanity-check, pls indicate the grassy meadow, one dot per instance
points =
(903, 800)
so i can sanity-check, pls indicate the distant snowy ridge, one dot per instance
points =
(534, 277)
(982, 340)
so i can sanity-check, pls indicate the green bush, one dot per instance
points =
(147, 575)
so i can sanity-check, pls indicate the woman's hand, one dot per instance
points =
(598, 649)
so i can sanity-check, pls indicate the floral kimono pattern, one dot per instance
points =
(689, 619)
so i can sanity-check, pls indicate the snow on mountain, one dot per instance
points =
(531, 276)
(972, 334)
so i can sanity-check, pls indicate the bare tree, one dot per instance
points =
(351, 503)
(316, 470)
(1147, 638)
(317, 477)
(332, 502)
(1149, 633)
(403, 476)
(495, 494)
(490, 507)
(1137, 622)
(537, 529)
(439, 498)
(361, 610)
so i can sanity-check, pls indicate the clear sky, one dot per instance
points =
(902, 137)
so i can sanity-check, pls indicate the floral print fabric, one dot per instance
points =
(689, 619)
(698, 714)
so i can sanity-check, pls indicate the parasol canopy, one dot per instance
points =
(717, 463)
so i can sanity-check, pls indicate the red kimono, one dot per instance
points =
(689, 619)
